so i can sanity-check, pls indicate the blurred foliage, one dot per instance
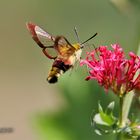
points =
(75, 121)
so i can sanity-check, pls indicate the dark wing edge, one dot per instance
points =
(31, 27)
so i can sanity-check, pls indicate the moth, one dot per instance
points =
(67, 54)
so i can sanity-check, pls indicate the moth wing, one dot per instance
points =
(42, 38)
(63, 46)
(62, 41)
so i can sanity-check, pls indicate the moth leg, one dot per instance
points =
(76, 65)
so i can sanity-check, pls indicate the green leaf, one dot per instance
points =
(100, 108)
(98, 120)
(98, 132)
(105, 118)
(110, 108)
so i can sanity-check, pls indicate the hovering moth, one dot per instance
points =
(67, 54)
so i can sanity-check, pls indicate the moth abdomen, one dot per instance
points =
(57, 70)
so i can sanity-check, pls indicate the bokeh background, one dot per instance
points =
(35, 109)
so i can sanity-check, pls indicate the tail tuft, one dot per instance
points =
(52, 80)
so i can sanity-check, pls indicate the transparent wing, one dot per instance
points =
(42, 38)
(62, 41)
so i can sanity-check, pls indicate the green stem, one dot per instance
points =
(121, 121)
(126, 106)
(125, 103)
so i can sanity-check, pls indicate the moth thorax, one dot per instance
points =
(78, 51)
(78, 54)
(76, 46)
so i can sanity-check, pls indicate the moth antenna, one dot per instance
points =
(76, 33)
(88, 39)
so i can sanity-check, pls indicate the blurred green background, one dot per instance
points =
(31, 106)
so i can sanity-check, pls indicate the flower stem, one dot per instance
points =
(121, 121)
(126, 106)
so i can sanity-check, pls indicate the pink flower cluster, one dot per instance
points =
(112, 70)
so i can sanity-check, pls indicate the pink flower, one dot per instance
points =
(112, 70)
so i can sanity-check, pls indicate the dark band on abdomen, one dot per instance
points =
(60, 64)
